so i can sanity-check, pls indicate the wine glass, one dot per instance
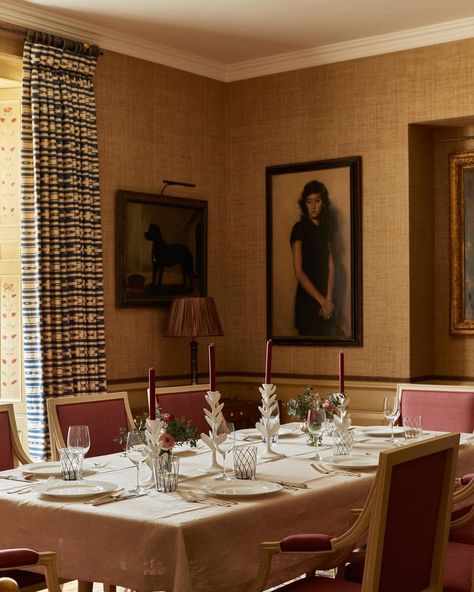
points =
(137, 451)
(225, 442)
(79, 439)
(315, 423)
(391, 412)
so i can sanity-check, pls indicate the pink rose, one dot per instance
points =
(167, 441)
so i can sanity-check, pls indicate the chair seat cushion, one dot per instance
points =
(465, 479)
(320, 585)
(306, 542)
(17, 557)
(458, 570)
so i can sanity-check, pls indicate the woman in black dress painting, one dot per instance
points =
(313, 262)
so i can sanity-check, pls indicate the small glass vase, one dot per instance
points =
(166, 472)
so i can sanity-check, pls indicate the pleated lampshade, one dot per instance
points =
(193, 317)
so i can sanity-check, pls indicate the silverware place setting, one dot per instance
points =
(196, 498)
(325, 470)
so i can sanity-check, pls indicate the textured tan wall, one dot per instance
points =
(360, 107)
(156, 123)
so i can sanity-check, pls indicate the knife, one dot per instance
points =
(109, 499)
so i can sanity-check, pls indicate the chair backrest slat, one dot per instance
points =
(185, 401)
(409, 529)
(443, 408)
(11, 450)
(105, 415)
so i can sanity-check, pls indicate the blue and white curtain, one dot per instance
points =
(62, 270)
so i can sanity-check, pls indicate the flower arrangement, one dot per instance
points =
(171, 432)
(168, 431)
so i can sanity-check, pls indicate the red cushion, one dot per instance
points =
(463, 535)
(458, 570)
(446, 411)
(320, 585)
(6, 450)
(104, 418)
(306, 542)
(467, 478)
(186, 404)
(17, 557)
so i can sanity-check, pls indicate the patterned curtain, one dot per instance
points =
(62, 273)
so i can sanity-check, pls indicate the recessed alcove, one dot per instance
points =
(434, 353)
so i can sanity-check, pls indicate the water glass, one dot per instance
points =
(224, 440)
(273, 419)
(342, 441)
(245, 461)
(166, 472)
(412, 426)
(315, 420)
(391, 412)
(137, 451)
(71, 460)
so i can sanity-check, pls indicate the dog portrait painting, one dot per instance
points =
(161, 248)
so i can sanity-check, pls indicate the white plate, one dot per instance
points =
(242, 487)
(76, 488)
(50, 469)
(352, 461)
(283, 432)
(384, 431)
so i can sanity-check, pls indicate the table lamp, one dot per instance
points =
(193, 317)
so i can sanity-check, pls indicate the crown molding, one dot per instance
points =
(38, 18)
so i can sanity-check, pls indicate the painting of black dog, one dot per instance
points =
(165, 255)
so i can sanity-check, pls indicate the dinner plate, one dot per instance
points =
(352, 461)
(73, 489)
(50, 469)
(384, 431)
(283, 432)
(242, 487)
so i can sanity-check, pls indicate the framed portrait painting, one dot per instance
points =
(161, 248)
(461, 182)
(314, 252)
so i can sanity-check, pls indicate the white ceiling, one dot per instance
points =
(243, 38)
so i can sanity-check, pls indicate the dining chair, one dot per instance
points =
(18, 564)
(185, 401)
(407, 518)
(444, 408)
(105, 415)
(11, 450)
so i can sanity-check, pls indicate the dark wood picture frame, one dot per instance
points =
(461, 188)
(287, 301)
(161, 248)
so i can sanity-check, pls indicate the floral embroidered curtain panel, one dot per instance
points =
(62, 270)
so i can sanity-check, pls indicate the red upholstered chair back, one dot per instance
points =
(185, 401)
(11, 451)
(410, 524)
(105, 415)
(443, 408)
(6, 445)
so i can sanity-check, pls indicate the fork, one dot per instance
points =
(29, 487)
(326, 471)
(191, 496)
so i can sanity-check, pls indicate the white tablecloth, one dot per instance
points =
(160, 542)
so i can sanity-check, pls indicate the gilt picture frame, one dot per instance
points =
(161, 248)
(302, 250)
(461, 189)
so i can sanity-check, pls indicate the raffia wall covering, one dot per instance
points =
(157, 123)
(360, 107)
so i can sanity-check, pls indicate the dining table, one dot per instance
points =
(167, 542)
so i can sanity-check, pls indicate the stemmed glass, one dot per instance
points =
(315, 423)
(79, 439)
(137, 451)
(225, 444)
(391, 412)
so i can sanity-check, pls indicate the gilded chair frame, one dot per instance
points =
(56, 436)
(373, 518)
(19, 455)
(459, 496)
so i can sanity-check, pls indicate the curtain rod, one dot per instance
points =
(54, 40)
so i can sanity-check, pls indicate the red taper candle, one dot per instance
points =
(151, 391)
(341, 372)
(212, 367)
(268, 363)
